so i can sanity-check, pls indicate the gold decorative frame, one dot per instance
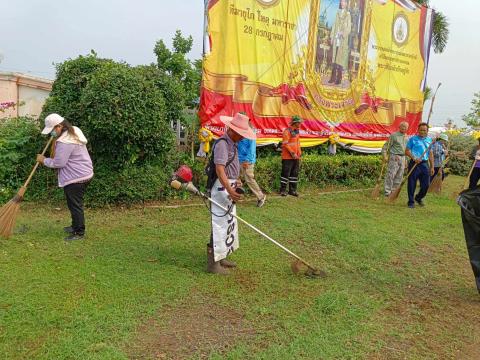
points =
(313, 78)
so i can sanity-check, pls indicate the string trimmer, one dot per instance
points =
(182, 181)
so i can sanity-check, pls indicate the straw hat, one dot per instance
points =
(239, 124)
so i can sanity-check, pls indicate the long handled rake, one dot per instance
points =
(311, 271)
(9, 211)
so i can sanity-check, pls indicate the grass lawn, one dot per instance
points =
(399, 284)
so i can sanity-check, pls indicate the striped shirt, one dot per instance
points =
(438, 154)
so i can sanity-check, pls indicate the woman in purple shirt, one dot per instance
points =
(74, 168)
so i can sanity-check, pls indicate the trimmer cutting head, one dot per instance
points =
(298, 267)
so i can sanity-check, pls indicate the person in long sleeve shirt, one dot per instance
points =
(74, 168)
(291, 153)
(475, 175)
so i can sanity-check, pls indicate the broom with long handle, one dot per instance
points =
(394, 194)
(9, 211)
(376, 189)
(436, 184)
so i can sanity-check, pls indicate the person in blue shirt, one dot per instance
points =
(247, 155)
(419, 150)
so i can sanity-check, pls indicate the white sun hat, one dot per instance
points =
(51, 121)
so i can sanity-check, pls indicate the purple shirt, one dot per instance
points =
(224, 152)
(73, 163)
(477, 163)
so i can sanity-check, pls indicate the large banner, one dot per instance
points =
(355, 68)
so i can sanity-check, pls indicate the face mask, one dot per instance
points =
(295, 132)
(53, 134)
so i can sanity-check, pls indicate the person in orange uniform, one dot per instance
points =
(291, 153)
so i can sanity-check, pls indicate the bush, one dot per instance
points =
(138, 183)
(321, 170)
(121, 109)
(72, 77)
(19, 143)
(125, 117)
(460, 149)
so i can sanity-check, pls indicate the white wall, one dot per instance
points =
(34, 100)
(26, 89)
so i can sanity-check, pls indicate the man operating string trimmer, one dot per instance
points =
(226, 190)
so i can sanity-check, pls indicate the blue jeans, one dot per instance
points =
(421, 173)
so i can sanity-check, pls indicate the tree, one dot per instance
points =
(120, 108)
(178, 73)
(427, 94)
(473, 118)
(440, 29)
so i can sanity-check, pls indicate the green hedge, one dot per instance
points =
(460, 149)
(20, 141)
(321, 171)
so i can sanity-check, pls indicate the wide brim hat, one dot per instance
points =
(51, 121)
(240, 124)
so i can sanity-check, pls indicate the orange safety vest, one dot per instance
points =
(290, 144)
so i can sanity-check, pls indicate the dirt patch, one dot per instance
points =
(429, 312)
(197, 327)
(471, 352)
(246, 279)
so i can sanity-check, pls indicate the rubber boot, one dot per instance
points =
(228, 263)
(214, 267)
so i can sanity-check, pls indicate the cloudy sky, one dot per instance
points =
(38, 33)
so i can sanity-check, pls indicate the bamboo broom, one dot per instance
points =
(376, 189)
(436, 184)
(9, 211)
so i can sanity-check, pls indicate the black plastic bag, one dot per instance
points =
(469, 201)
